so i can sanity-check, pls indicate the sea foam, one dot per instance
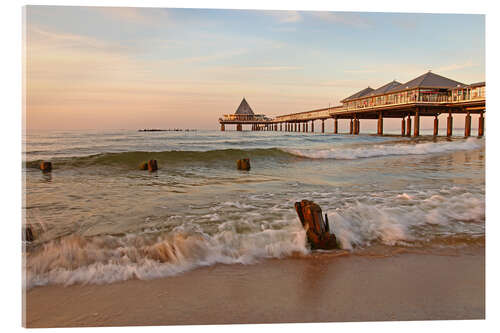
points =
(346, 153)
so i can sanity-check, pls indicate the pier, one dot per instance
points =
(428, 95)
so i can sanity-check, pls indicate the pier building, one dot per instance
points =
(428, 95)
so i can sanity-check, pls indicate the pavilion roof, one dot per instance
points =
(244, 108)
(359, 94)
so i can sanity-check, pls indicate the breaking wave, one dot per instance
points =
(367, 151)
(416, 221)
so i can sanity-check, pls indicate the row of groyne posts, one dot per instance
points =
(307, 126)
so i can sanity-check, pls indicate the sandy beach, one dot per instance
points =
(318, 288)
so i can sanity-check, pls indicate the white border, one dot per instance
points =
(11, 162)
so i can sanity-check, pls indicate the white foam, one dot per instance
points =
(360, 224)
(108, 259)
(343, 153)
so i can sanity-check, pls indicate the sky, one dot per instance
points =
(131, 68)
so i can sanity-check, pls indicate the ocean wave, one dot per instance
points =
(418, 221)
(377, 150)
(175, 157)
(107, 259)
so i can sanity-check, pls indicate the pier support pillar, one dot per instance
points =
(408, 126)
(281, 127)
(295, 127)
(436, 125)
(358, 124)
(222, 127)
(380, 124)
(403, 129)
(480, 128)
(276, 127)
(312, 126)
(335, 125)
(322, 125)
(449, 127)
(467, 125)
(416, 130)
(351, 125)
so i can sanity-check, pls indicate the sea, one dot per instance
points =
(97, 218)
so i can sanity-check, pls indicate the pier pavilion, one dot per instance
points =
(428, 95)
(244, 115)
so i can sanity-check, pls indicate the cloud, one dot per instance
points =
(361, 71)
(350, 19)
(455, 67)
(144, 16)
(285, 16)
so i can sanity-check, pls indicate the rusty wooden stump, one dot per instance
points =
(243, 164)
(317, 230)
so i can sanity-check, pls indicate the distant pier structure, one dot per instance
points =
(244, 115)
(428, 95)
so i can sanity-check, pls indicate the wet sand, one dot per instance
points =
(321, 288)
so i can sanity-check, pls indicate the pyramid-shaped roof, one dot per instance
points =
(359, 94)
(244, 108)
(385, 88)
(429, 80)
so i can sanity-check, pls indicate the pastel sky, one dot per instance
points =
(130, 68)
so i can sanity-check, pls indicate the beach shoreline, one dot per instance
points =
(316, 288)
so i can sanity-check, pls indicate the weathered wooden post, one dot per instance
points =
(380, 124)
(480, 128)
(281, 127)
(449, 127)
(222, 127)
(336, 126)
(436, 125)
(408, 126)
(416, 131)
(403, 130)
(358, 125)
(239, 127)
(312, 126)
(467, 124)
(46, 166)
(243, 164)
(351, 125)
(317, 230)
(322, 125)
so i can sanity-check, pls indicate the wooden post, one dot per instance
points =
(281, 127)
(351, 130)
(239, 127)
(222, 127)
(403, 130)
(380, 124)
(336, 126)
(408, 126)
(480, 128)
(467, 124)
(358, 123)
(436, 125)
(416, 130)
(449, 128)
(322, 125)
(312, 126)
